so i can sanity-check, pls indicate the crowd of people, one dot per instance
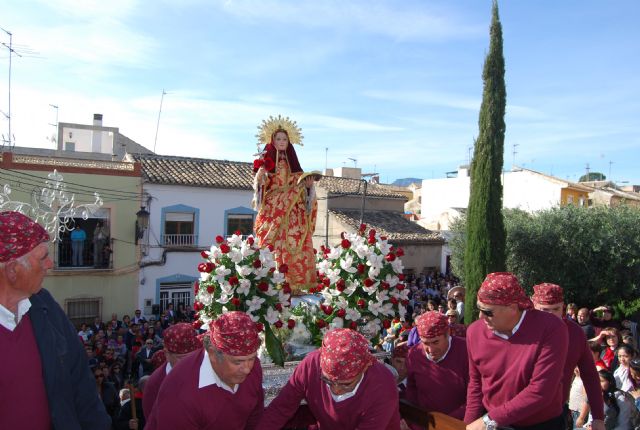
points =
(527, 363)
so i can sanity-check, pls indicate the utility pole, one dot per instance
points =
(513, 164)
(9, 139)
(155, 141)
(610, 163)
(56, 124)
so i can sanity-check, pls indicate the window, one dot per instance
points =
(180, 226)
(178, 294)
(83, 310)
(88, 245)
(239, 219)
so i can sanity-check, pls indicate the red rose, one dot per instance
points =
(384, 285)
(237, 233)
(286, 288)
(259, 326)
(394, 300)
(361, 303)
(273, 269)
(327, 310)
(206, 267)
(197, 306)
(235, 302)
(368, 282)
(391, 248)
(371, 240)
(233, 280)
(257, 164)
(263, 286)
(386, 323)
(196, 287)
(401, 277)
(405, 302)
(321, 323)
(257, 263)
(211, 289)
(315, 251)
(219, 239)
(326, 282)
(363, 227)
(204, 254)
(383, 237)
(353, 325)
(341, 313)
(346, 244)
(291, 324)
(269, 165)
(390, 257)
(278, 324)
(372, 233)
(279, 307)
(361, 268)
(283, 268)
(250, 240)
(196, 325)
(400, 287)
(400, 252)
(340, 285)
(224, 248)
(312, 290)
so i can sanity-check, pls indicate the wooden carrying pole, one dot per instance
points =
(132, 396)
(429, 420)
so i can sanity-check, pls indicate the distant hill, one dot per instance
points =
(405, 182)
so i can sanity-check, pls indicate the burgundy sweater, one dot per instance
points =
(180, 404)
(374, 407)
(517, 381)
(151, 389)
(439, 387)
(579, 354)
(23, 397)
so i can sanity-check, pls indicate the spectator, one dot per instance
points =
(85, 333)
(623, 378)
(618, 408)
(107, 393)
(78, 238)
(634, 373)
(585, 324)
(572, 312)
(602, 317)
(138, 318)
(457, 329)
(143, 359)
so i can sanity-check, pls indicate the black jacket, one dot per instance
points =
(71, 388)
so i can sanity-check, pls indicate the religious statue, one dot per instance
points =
(286, 202)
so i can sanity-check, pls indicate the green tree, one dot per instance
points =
(592, 176)
(485, 235)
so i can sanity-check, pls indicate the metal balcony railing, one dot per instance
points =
(180, 239)
(84, 254)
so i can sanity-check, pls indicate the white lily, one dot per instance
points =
(235, 240)
(235, 255)
(224, 299)
(278, 278)
(353, 315)
(334, 253)
(347, 264)
(397, 265)
(244, 285)
(255, 303)
(337, 323)
(272, 316)
(244, 271)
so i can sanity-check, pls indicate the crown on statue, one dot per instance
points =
(274, 124)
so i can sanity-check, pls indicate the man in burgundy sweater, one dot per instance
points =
(215, 387)
(550, 298)
(438, 367)
(44, 371)
(179, 340)
(516, 361)
(345, 387)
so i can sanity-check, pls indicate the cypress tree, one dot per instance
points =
(485, 244)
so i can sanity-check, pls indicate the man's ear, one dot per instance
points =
(11, 271)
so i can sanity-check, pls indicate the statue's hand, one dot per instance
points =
(308, 181)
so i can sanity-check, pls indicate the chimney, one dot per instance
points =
(96, 135)
(97, 119)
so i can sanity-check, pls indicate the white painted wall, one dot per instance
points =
(211, 202)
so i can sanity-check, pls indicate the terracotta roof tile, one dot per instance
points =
(388, 223)
(347, 186)
(195, 172)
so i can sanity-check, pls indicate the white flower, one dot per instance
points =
(246, 250)
(254, 304)
(226, 288)
(271, 291)
(373, 272)
(244, 285)
(235, 240)
(375, 260)
(397, 265)
(341, 303)
(392, 280)
(372, 289)
(272, 316)
(253, 317)
(205, 298)
(347, 264)
(283, 298)
(382, 296)
(362, 250)
(387, 309)
(221, 273)
(278, 278)
(333, 275)
(261, 272)
(243, 271)
(351, 287)
(214, 252)
(402, 311)
(353, 315)
(323, 266)
(383, 246)
(374, 307)
(224, 299)
(334, 253)
(235, 256)
(337, 323)
(204, 276)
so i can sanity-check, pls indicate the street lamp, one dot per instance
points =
(142, 223)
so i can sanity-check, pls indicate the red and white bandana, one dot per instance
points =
(344, 354)
(432, 324)
(547, 294)
(181, 338)
(234, 333)
(158, 358)
(19, 234)
(503, 288)
(400, 351)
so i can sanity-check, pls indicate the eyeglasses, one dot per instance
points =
(339, 385)
(486, 312)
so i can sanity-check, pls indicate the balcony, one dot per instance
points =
(84, 254)
(180, 240)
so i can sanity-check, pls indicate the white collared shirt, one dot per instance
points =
(167, 368)
(341, 397)
(208, 376)
(441, 358)
(9, 320)
(515, 329)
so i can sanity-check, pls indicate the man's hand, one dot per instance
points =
(133, 424)
(404, 425)
(477, 425)
(597, 425)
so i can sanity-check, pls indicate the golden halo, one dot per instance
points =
(273, 124)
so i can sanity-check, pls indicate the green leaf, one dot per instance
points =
(274, 346)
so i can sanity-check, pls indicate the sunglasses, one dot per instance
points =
(486, 312)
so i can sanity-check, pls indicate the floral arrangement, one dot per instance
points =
(361, 282)
(237, 275)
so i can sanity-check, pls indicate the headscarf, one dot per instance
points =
(234, 334)
(400, 351)
(503, 289)
(432, 324)
(547, 294)
(181, 338)
(344, 354)
(19, 235)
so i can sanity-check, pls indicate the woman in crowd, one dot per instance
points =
(634, 373)
(610, 340)
(621, 375)
(618, 408)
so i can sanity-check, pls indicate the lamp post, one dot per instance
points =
(142, 223)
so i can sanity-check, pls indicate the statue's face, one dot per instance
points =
(281, 141)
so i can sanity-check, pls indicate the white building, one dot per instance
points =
(190, 201)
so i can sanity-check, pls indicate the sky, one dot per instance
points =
(392, 87)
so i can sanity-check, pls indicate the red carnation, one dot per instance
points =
(368, 282)
(196, 325)
(273, 269)
(312, 290)
(390, 257)
(235, 302)
(291, 324)
(326, 282)
(362, 303)
(394, 300)
(204, 254)
(361, 268)
(250, 240)
(263, 286)
(327, 310)
(400, 287)
(363, 227)
(384, 285)
(257, 263)
(211, 289)
(400, 252)
(341, 313)
(383, 237)
(346, 244)
(372, 233)
(257, 164)
(224, 248)
(206, 267)
(371, 240)
(321, 323)
(233, 280)
(401, 277)
(219, 239)
(386, 323)
(237, 233)
(283, 268)
(340, 285)
(197, 306)
(278, 324)
(269, 165)
(286, 288)
(259, 326)
(279, 307)
(353, 325)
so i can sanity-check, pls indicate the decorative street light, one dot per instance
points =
(142, 223)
